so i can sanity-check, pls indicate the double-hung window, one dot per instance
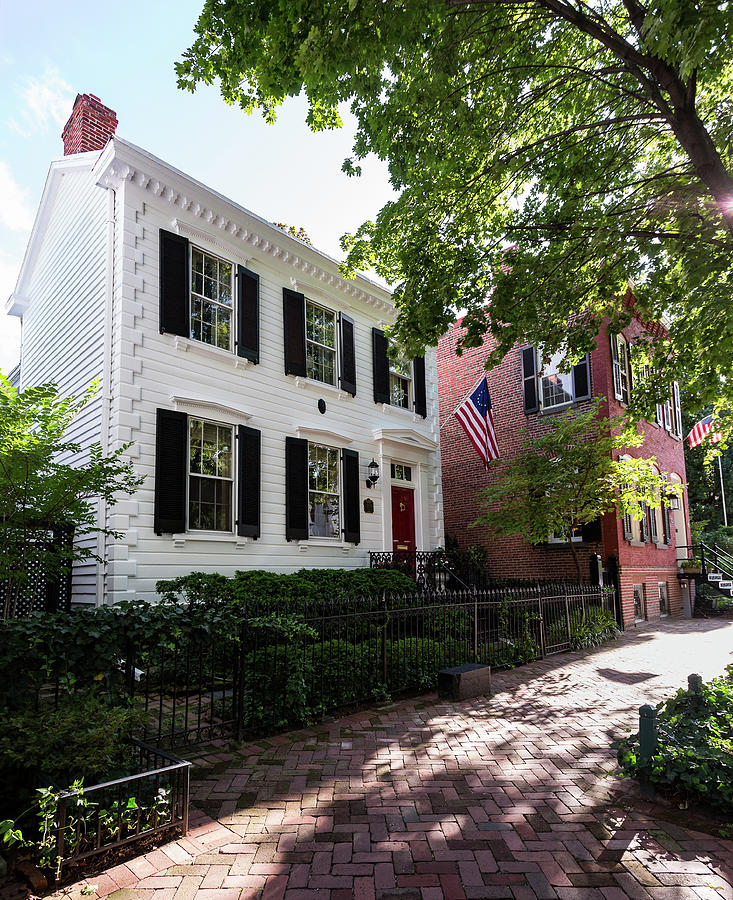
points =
(400, 381)
(211, 299)
(324, 492)
(320, 343)
(210, 476)
(621, 362)
(556, 387)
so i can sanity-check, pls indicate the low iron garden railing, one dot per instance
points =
(99, 817)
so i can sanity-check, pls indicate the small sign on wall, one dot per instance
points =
(368, 505)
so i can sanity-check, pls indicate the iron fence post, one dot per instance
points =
(384, 639)
(567, 616)
(61, 835)
(543, 645)
(475, 625)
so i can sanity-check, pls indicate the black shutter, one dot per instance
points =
(653, 523)
(296, 489)
(667, 523)
(644, 524)
(171, 450)
(418, 375)
(294, 330)
(347, 366)
(591, 531)
(248, 314)
(380, 346)
(174, 317)
(581, 379)
(248, 476)
(529, 376)
(352, 518)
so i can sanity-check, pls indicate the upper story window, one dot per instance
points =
(320, 342)
(548, 387)
(556, 387)
(211, 299)
(324, 497)
(400, 381)
(210, 476)
(621, 362)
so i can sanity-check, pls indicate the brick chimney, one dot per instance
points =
(90, 125)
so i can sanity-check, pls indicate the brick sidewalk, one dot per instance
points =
(506, 797)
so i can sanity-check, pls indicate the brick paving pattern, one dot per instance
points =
(507, 797)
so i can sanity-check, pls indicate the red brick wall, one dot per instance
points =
(90, 125)
(464, 475)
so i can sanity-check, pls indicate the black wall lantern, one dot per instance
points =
(373, 469)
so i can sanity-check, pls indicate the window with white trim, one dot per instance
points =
(621, 361)
(324, 492)
(320, 343)
(400, 472)
(556, 387)
(663, 599)
(212, 291)
(400, 380)
(576, 537)
(210, 476)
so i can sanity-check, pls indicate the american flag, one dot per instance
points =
(704, 428)
(477, 420)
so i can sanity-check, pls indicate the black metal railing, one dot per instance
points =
(100, 817)
(318, 657)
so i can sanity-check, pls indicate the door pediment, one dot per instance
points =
(405, 437)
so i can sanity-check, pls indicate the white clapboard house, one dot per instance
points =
(252, 379)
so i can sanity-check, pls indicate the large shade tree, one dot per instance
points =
(546, 153)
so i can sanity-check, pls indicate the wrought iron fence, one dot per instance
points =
(102, 816)
(321, 656)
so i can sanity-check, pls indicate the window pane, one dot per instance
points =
(324, 515)
(224, 455)
(399, 392)
(197, 260)
(223, 329)
(557, 386)
(197, 282)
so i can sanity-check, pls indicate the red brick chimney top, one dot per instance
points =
(91, 124)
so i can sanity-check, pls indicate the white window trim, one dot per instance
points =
(549, 410)
(553, 539)
(336, 347)
(408, 378)
(621, 373)
(231, 349)
(323, 539)
(209, 534)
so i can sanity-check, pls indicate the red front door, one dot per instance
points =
(403, 519)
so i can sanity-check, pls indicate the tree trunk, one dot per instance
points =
(576, 559)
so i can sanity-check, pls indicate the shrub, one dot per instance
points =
(82, 736)
(268, 591)
(695, 753)
(589, 628)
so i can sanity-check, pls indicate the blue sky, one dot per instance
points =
(124, 54)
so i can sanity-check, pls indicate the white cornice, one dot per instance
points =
(203, 237)
(184, 404)
(313, 433)
(407, 437)
(122, 163)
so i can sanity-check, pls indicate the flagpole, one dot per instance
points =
(722, 489)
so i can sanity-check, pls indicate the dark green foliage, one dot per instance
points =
(695, 754)
(82, 735)
(589, 628)
(266, 591)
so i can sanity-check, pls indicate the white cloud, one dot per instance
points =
(16, 212)
(46, 101)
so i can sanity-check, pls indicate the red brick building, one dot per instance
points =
(641, 556)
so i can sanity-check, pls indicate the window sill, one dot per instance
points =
(344, 546)
(400, 411)
(219, 537)
(311, 384)
(554, 410)
(183, 345)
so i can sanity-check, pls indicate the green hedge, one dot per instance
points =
(695, 754)
(264, 591)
